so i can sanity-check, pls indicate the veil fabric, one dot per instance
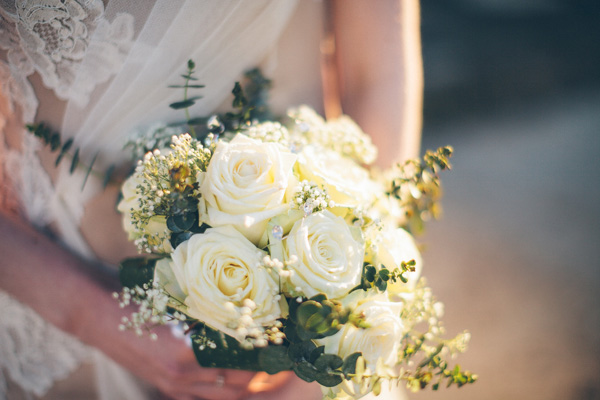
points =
(102, 74)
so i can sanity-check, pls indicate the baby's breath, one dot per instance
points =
(310, 197)
(269, 132)
(152, 302)
(341, 135)
(166, 184)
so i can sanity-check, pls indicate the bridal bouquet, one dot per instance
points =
(277, 249)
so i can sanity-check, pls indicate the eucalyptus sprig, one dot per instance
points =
(433, 368)
(372, 277)
(187, 102)
(417, 187)
(52, 139)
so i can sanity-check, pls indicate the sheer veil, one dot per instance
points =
(101, 73)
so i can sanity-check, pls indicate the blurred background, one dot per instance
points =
(514, 86)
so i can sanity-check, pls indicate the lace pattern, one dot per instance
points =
(36, 360)
(84, 53)
(52, 37)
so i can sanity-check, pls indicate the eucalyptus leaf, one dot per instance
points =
(197, 121)
(136, 271)
(381, 285)
(74, 161)
(182, 222)
(184, 103)
(306, 371)
(54, 141)
(66, 146)
(228, 352)
(187, 86)
(349, 365)
(329, 380)
(108, 175)
(274, 359)
(301, 351)
(189, 77)
(316, 353)
(328, 362)
(179, 237)
(306, 310)
(89, 170)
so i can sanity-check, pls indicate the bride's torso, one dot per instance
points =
(111, 82)
(101, 114)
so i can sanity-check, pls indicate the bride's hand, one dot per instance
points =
(60, 287)
(282, 386)
(170, 365)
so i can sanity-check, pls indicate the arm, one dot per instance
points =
(381, 79)
(64, 291)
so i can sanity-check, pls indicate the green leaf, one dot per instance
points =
(239, 99)
(228, 352)
(306, 371)
(328, 362)
(197, 121)
(329, 380)
(179, 237)
(184, 103)
(316, 353)
(74, 161)
(306, 310)
(182, 222)
(384, 274)
(136, 271)
(370, 273)
(89, 170)
(63, 150)
(187, 86)
(54, 141)
(189, 77)
(274, 359)
(319, 298)
(349, 365)
(107, 175)
(298, 352)
(381, 285)
(191, 64)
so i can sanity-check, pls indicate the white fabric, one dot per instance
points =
(112, 67)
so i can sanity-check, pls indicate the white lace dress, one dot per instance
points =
(108, 67)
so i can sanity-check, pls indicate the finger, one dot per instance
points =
(207, 392)
(263, 382)
(211, 375)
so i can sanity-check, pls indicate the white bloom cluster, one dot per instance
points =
(159, 181)
(152, 302)
(309, 197)
(341, 135)
(269, 132)
(253, 226)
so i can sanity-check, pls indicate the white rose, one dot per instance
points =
(245, 184)
(156, 227)
(347, 183)
(329, 255)
(379, 343)
(219, 267)
(395, 246)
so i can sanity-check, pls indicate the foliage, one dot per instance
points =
(416, 185)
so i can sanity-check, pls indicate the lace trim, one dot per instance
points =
(53, 37)
(33, 353)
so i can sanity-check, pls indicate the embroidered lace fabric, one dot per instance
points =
(111, 65)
